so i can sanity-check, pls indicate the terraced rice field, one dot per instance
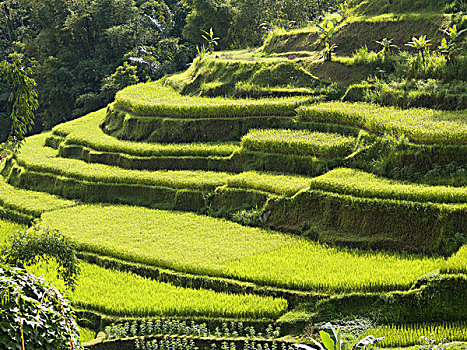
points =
(197, 244)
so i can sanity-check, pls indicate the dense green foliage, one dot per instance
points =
(362, 184)
(221, 248)
(298, 142)
(126, 294)
(419, 125)
(34, 315)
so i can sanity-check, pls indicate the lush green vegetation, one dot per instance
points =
(301, 142)
(419, 125)
(363, 184)
(154, 99)
(305, 265)
(274, 183)
(181, 241)
(30, 202)
(86, 131)
(410, 334)
(126, 294)
(8, 228)
(35, 156)
(221, 248)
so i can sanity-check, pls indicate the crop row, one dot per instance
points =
(204, 245)
(419, 125)
(301, 142)
(181, 327)
(181, 343)
(85, 131)
(363, 184)
(43, 159)
(154, 99)
(413, 334)
(34, 156)
(126, 294)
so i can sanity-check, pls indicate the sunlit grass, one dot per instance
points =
(418, 124)
(187, 242)
(126, 294)
(363, 184)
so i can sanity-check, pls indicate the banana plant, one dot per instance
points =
(327, 51)
(421, 45)
(327, 30)
(332, 340)
(448, 48)
(386, 46)
(211, 39)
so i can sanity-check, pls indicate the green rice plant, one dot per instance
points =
(274, 183)
(307, 265)
(30, 202)
(301, 142)
(457, 263)
(126, 294)
(34, 156)
(181, 241)
(7, 229)
(154, 99)
(86, 334)
(410, 334)
(362, 184)
(198, 244)
(85, 131)
(419, 125)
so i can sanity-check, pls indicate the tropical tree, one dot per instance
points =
(328, 28)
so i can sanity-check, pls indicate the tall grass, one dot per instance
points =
(127, 294)
(362, 184)
(86, 131)
(418, 124)
(153, 99)
(310, 266)
(300, 142)
(410, 334)
(30, 202)
(197, 244)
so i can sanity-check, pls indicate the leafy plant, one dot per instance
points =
(201, 50)
(448, 48)
(331, 339)
(386, 46)
(328, 28)
(211, 39)
(421, 44)
(33, 314)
